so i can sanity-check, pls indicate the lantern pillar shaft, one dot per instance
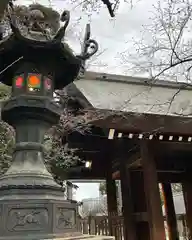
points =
(28, 152)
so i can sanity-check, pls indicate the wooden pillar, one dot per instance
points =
(187, 192)
(170, 212)
(154, 208)
(127, 205)
(111, 193)
(140, 206)
(111, 198)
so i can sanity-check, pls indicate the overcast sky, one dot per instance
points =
(86, 190)
(113, 35)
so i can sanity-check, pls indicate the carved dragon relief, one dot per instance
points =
(65, 218)
(27, 219)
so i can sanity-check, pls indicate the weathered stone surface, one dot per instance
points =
(37, 219)
(86, 237)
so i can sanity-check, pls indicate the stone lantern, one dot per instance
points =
(32, 204)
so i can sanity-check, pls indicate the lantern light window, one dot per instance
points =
(34, 81)
(19, 82)
(47, 84)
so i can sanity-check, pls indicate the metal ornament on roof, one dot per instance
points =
(88, 49)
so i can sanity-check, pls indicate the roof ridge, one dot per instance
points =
(89, 75)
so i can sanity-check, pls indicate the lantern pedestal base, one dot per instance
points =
(86, 237)
(82, 237)
(31, 216)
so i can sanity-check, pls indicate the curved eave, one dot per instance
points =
(131, 104)
(72, 91)
(144, 123)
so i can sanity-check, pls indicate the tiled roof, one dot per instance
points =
(130, 94)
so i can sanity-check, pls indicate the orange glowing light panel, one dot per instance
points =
(19, 81)
(34, 81)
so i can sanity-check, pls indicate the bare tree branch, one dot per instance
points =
(164, 51)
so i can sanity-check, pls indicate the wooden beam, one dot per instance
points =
(137, 163)
(133, 160)
(127, 204)
(87, 142)
(171, 177)
(82, 173)
(177, 161)
(163, 177)
(148, 123)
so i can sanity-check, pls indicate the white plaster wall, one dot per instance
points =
(136, 98)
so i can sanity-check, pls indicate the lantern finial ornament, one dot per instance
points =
(48, 52)
(32, 203)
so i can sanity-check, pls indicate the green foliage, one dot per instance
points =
(6, 135)
(59, 158)
(5, 91)
(6, 146)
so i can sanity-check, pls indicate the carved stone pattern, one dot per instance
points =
(23, 102)
(65, 218)
(22, 219)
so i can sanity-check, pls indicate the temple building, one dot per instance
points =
(142, 137)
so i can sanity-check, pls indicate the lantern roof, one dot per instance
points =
(49, 57)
